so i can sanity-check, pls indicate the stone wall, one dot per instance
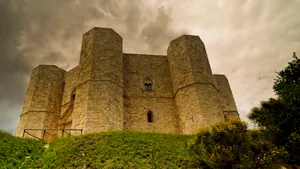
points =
(195, 91)
(188, 62)
(101, 63)
(226, 97)
(69, 106)
(138, 67)
(159, 100)
(164, 114)
(43, 100)
(80, 107)
(72, 80)
(105, 107)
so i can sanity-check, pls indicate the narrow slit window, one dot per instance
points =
(150, 117)
(73, 97)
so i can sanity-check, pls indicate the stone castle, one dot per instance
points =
(112, 90)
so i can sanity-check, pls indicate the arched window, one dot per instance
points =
(148, 84)
(150, 117)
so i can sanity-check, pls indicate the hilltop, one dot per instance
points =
(105, 150)
(14, 150)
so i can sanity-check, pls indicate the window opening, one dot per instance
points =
(73, 97)
(148, 84)
(150, 117)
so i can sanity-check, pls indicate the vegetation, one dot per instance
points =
(279, 118)
(231, 145)
(14, 150)
(112, 150)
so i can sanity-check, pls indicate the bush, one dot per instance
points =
(231, 145)
(279, 117)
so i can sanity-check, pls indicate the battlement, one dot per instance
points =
(111, 90)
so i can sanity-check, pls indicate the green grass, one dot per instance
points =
(14, 150)
(113, 150)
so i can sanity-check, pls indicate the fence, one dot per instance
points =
(47, 132)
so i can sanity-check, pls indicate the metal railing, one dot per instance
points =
(46, 131)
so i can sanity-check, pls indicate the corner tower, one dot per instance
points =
(42, 101)
(101, 64)
(195, 92)
(227, 101)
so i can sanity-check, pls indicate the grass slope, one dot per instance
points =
(118, 150)
(14, 150)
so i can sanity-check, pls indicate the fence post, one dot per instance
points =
(23, 133)
(44, 134)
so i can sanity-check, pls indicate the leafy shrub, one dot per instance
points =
(231, 145)
(279, 118)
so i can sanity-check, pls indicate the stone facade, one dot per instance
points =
(111, 90)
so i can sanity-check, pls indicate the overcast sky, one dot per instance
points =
(247, 40)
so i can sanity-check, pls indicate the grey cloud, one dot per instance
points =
(49, 32)
(244, 39)
(12, 65)
(157, 29)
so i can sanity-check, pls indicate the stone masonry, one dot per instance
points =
(110, 90)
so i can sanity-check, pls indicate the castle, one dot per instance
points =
(111, 90)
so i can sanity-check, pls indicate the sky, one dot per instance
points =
(247, 40)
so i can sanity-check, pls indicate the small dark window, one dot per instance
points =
(73, 97)
(150, 117)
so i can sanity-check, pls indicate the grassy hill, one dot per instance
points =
(14, 150)
(103, 150)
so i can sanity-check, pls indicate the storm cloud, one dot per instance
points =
(245, 39)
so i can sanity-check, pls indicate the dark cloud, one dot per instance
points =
(37, 32)
(244, 39)
(13, 66)
(159, 32)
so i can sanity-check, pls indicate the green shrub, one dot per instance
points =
(231, 145)
(279, 118)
